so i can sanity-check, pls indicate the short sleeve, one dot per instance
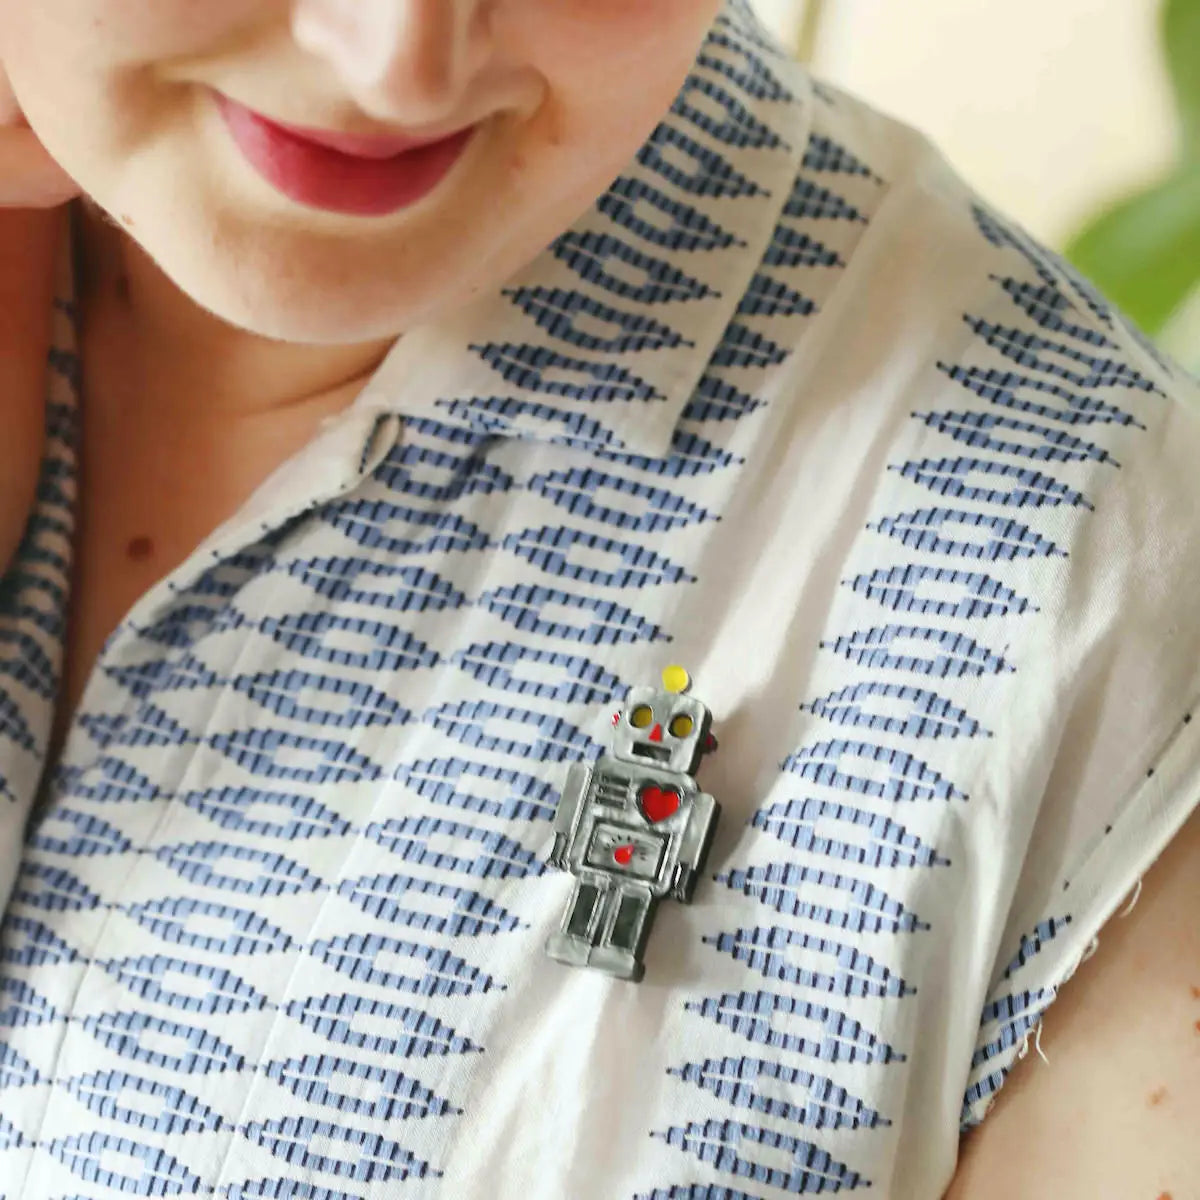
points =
(1062, 922)
(1120, 725)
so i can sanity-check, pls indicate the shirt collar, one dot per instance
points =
(602, 340)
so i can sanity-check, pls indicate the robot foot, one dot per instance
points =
(575, 952)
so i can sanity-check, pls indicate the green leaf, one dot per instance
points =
(1181, 41)
(1144, 253)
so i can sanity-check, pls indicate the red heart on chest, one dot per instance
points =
(658, 803)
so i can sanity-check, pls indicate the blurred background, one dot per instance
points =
(1080, 118)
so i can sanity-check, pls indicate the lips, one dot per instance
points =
(357, 145)
(345, 173)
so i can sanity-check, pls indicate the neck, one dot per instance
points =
(183, 416)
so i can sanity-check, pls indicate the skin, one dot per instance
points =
(31, 186)
(27, 246)
(1112, 1112)
(222, 321)
(277, 300)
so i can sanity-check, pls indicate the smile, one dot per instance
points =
(342, 172)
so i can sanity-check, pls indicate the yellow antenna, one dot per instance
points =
(676, 679)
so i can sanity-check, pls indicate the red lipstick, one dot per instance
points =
(342, 172)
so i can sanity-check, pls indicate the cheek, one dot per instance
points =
(609, 48)
(125, 32)
(48, 62)
(613, 66)
(82, 61)
(75, 44)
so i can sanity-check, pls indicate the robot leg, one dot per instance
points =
(572, 943)
(625, 932)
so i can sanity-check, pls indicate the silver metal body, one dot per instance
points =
(631, 831)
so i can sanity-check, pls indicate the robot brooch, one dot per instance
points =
(633, 827)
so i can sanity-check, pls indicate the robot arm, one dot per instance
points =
(693, 849)
(566, 818)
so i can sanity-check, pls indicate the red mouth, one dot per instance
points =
(358, 145)
(346, 173)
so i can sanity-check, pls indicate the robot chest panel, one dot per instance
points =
(658, 799)
(633, 820)
(620, 850)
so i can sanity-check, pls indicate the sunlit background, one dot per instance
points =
(1053, 110)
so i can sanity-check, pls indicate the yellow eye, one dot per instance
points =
(681, 725)
(642, 716)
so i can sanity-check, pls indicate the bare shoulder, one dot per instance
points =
(1114, 1111)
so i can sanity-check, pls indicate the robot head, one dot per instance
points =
(662, 729)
